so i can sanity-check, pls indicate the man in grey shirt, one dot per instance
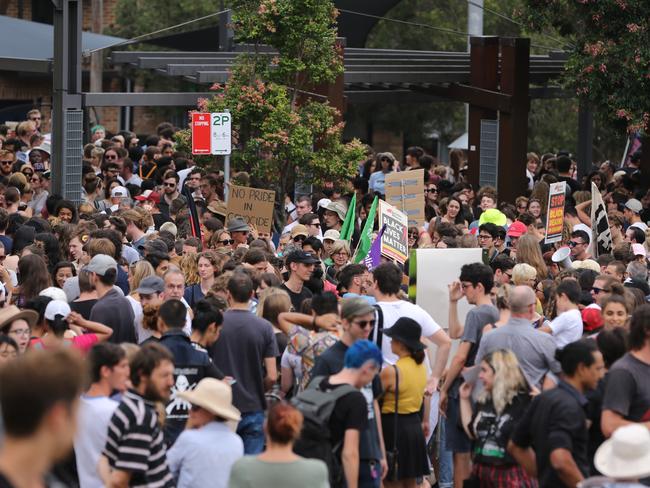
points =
(534, 349)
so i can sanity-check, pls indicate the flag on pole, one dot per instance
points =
(373, 258)
(366, 234)
(601, 235)
(348, 224)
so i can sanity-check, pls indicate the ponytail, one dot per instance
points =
(418, 356)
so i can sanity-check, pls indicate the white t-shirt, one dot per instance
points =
(92, 430)
(567, 327)
(392, 311)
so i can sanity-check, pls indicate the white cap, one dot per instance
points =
(54, 293)
(119, 191)
(639, 250)
(57, 307)
(626, 454)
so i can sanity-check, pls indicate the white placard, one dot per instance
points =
(220, 133)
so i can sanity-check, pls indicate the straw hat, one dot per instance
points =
(625, 455)
(12, 312)
(213, 395)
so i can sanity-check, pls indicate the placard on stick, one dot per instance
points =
(555, 213)
(405, 191)
(254, 205)
(394, 242)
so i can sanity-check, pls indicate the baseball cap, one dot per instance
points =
(332, 235)
(54, 293)
(151, 285)
(323, 202)
(639, 250)
(592, 318)
(634, 205)
(100, 264)
(57, 307)
(353, 307)
(119, 191)
(299, 230)
(148, 195)
(517, 229)
(301, 257)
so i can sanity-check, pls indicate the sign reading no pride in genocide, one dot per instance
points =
(394, 242)
(555, 213)
(255, 206)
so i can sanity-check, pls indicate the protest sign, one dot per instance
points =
(601, 235)
(394, 241)
(405, 191)
(555, 213)
(254, 205)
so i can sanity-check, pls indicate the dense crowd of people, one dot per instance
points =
(172, 346)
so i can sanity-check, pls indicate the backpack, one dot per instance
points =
(315, 440)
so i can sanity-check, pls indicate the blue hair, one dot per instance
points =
(361, 352)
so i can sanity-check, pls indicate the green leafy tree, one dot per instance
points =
(609, 63)
(282, 131)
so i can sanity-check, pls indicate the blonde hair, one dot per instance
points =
(503, 297)
(339, 246)
(139, 271)
(273, 301)
(509, 381)
(529, 252)
(190, 268)
(523, 272)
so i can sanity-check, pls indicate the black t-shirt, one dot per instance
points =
(555, 420)
(492, 431)
(297, 298)
(4, 482)
(350, 412)
(571, 183)
(83, 308)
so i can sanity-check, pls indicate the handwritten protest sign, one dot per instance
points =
(394, 241)
(555, 213)
(405, 191)
(254, 205)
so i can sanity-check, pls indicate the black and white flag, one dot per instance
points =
(599, 223)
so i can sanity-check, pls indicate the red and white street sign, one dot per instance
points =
(201, 133)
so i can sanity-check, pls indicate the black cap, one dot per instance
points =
(408, 332)
(301, 257)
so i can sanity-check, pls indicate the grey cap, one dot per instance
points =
(155, 245)
(355, 307)
(634, 205)
(151, 285)
(238, 225)
(100, 264)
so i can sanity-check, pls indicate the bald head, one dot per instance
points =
(521, 299)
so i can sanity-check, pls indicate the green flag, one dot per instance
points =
(348, 224)
(366, 234)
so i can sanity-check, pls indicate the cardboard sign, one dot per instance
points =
(254, 205)
(555, 213)
(405, 191)
(201, 133)
(394, 242)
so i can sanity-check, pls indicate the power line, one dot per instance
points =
(510, 19)
(137, 39)
(428, 26)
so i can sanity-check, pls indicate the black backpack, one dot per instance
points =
(315, 440)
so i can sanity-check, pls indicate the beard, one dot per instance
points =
(152, 394)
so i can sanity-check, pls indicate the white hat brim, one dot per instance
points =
(613, 466)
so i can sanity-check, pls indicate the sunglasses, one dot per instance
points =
(364, 323)
(170, 185)
(413, 236)
(574, 243)
(431, 190)
(597, 290)
(6, 163)
(299, 238)
(227, 242)
(111, 156)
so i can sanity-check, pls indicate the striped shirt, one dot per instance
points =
(135, 443)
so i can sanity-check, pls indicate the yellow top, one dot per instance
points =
(412, 382)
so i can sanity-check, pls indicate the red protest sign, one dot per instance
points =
(201, 136)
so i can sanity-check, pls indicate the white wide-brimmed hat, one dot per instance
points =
(625, 455)
(215, 396)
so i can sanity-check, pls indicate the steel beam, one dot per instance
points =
(26, 65)
(117, 99)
